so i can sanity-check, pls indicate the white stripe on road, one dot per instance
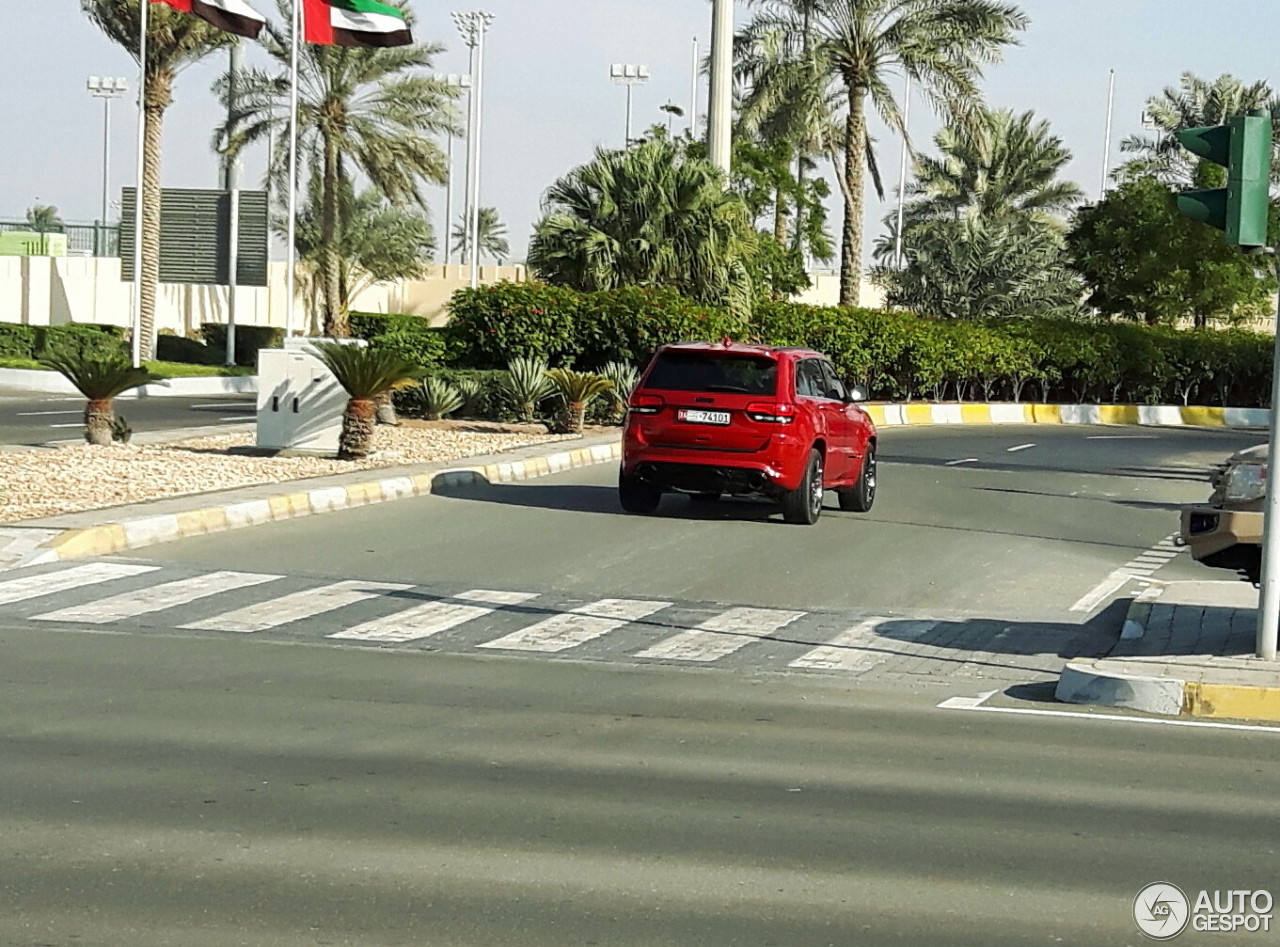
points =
(157, 598)
(37, 414)
(978, 703)
(1120, 437)
(432, 618)
(226, 404)
(724, 634)
(295, 607)
(966, 460)
(862, 646)
(577, 626)
(1139, 567)
(77, 424)
(1112, 583)
(33, 586)
(1018, 448)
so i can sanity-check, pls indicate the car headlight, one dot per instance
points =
(1246, 482)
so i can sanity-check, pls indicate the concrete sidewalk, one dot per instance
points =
(116, 529)
(1187, 649)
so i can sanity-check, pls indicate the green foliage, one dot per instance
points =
(249, 339)
(178, 348)
(98, 377)
(365, 372)
(526, 385)
(1143, 260)
(578, 387)
(472, 391)
(439, 398)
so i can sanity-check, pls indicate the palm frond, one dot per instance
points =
(365, 372)
(98, 377)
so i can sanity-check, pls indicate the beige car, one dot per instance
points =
(1226, 532)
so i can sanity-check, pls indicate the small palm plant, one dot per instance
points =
(440, 398)
(578, 389)
(473, 397)
(100, 378)
(624, 378)
(365, 373)
(527, 384)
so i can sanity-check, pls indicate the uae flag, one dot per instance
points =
(360, 23)
(234, 16)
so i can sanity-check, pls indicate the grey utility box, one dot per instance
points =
(300, 403)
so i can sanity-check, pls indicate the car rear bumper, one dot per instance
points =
(779, 467)
(1218, 537)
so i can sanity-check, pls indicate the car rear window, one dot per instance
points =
(704, 371)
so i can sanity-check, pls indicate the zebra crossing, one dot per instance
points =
(144, 598)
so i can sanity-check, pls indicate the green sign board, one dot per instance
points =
(29, 243)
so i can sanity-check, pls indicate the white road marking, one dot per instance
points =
(966, 460)
(227, 404)
(1112, 583)
(77, 424)
(977, 703)
(723, 634)
(47, 583)
(848, 651)
(37, 414)
(1141, 566)
(157, 598)
(1018, 448)
(432, 618)
(577, 626)
(243, 417)
(295, 607)
(1120, 437)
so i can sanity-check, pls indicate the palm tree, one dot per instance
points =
(43, 218)
(370, 111)
(100, 378)
(996, 165)
(857, 46)
(1194, 103)
(578, 389)
(365, 374)
(174, 41)
(651, 215)
(493, 235)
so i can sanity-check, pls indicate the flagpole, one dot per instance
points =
(144, 6)
(291, 250)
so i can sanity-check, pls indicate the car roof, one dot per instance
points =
(742, 348)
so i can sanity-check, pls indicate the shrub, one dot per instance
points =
(177, 348)
(17, 341)
(83, 340)
(249, 339)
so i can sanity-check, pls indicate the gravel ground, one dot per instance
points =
(41, 483)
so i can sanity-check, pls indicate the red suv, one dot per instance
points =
(709, 419)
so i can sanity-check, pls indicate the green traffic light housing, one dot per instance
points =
(1244, 148)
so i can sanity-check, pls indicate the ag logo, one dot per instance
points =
(1161, 910)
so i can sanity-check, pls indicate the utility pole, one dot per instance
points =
(231, 184)
(719, 118)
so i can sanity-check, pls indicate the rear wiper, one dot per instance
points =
(745, 391)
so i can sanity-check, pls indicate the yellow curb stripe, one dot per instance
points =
(1118, 413)
(917, 413)
(975, 413)
(1231, 701)
(1203, 417)
(197, 522)
(94, 541)
(1046, 413)
(876, 411)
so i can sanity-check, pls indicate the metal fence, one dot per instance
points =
(96, 239)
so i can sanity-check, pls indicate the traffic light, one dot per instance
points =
(1244, 148)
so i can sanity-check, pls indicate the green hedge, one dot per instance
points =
(33, 342)
(249, 339)
(178, 348)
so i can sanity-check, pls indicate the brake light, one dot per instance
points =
(771, 413)
(645, 404)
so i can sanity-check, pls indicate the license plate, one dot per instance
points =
(694, 416)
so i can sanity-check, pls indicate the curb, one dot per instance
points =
(1120, 682)
(195, 386)
(108, 538)
(1154, 415)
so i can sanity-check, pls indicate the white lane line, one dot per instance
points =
(1112, 583)
(1018, 448)
(38, 414)
(966, 460)
(721, 635)
(847, 651)
(77, 424)
(243, 417)
(977, 703)
(1142, 566)
(1120, 437)
(577, 626)
(227, 404)
(432, 618)
(295, 607)
(47, 583)
(157, 598)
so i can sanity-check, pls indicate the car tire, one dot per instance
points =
(859, 497)
(704, 497)
(803, 505)
(636, 496)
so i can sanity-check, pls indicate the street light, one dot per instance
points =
(630, 76)
(472, 27)
(106, 89)
(453, 82)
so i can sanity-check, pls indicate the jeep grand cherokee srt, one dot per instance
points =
(709, 419)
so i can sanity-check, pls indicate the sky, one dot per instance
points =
(549, 101)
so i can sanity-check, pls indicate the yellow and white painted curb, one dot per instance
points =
(1156, 415)
(113, 537)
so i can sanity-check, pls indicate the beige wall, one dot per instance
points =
(57, 290)
(825, 291)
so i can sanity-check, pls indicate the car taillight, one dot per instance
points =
(645, 404)
(771, 413)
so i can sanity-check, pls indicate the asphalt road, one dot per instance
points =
(35, 418)
(161, 791)
(1017, 522)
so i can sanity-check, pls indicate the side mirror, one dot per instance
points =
(857, 393)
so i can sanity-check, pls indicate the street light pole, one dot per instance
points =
(719, 118)
(453, 82)
(105, 89)
(629, 75)
(472, 26)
